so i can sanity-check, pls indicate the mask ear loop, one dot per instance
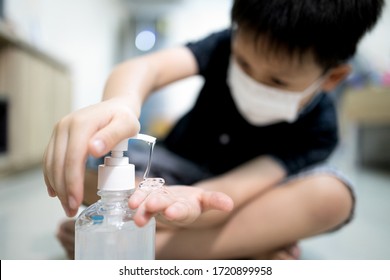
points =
(315, 86)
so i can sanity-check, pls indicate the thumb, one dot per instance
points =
(115, 131)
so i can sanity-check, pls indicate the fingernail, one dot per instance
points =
(72, 203)
(99, 145)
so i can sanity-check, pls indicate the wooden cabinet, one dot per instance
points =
(35, 92)
(367, 105)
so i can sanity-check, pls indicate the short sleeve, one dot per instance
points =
(210, 48)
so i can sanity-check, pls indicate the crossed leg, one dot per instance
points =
(265, 226)
(262, 229)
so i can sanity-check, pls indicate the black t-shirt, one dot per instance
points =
(215, 136)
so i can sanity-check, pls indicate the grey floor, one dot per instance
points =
(367, 237)
(29, 218)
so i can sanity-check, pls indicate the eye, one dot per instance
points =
(244, 65)
(278, 82)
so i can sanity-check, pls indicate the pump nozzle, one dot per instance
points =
(147, 138)
(117, 173)
(123, 145)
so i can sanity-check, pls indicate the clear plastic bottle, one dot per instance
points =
(106, 229)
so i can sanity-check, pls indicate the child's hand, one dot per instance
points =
(177, 205)
(93, 130)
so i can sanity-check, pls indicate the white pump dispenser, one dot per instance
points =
(117, 173)
(106, 230)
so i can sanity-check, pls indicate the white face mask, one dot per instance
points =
(260, 104)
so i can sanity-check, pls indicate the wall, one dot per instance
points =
(81, 33)
(375, 46)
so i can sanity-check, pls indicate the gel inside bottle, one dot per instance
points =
(106, 229)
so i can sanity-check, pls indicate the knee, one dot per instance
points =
(333, 202)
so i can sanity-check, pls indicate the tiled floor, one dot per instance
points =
(29, 218)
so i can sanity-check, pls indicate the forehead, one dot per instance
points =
(259, 52)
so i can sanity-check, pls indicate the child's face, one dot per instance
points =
(277, 69)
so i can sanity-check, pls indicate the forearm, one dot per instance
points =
(131, 80)
(135, 79)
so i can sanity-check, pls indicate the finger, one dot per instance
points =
(46, 169)
(49, 188)
(144, 218)
(141, 216)
(69, 248)
(173, 209)
(120, 127)
(151, 206)
(65, 237)
(216, 201)
(60, 142)
(180, 212)
(69, 226)
(137, 198)
(282, 255)
(84, 124)
(159, 201)
(75, 159)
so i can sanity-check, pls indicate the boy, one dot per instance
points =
(261, 125)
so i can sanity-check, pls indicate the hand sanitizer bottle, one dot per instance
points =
(106, 230)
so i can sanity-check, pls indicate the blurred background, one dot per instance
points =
(55, 57)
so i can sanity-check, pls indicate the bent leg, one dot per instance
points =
(279, 217)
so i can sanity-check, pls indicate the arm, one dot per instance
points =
(308, 144)
(138, 77)
(187, 206)
(96, 129)
(241, 185)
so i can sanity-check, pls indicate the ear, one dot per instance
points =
(335, 76)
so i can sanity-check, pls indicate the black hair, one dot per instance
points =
(331, 29)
